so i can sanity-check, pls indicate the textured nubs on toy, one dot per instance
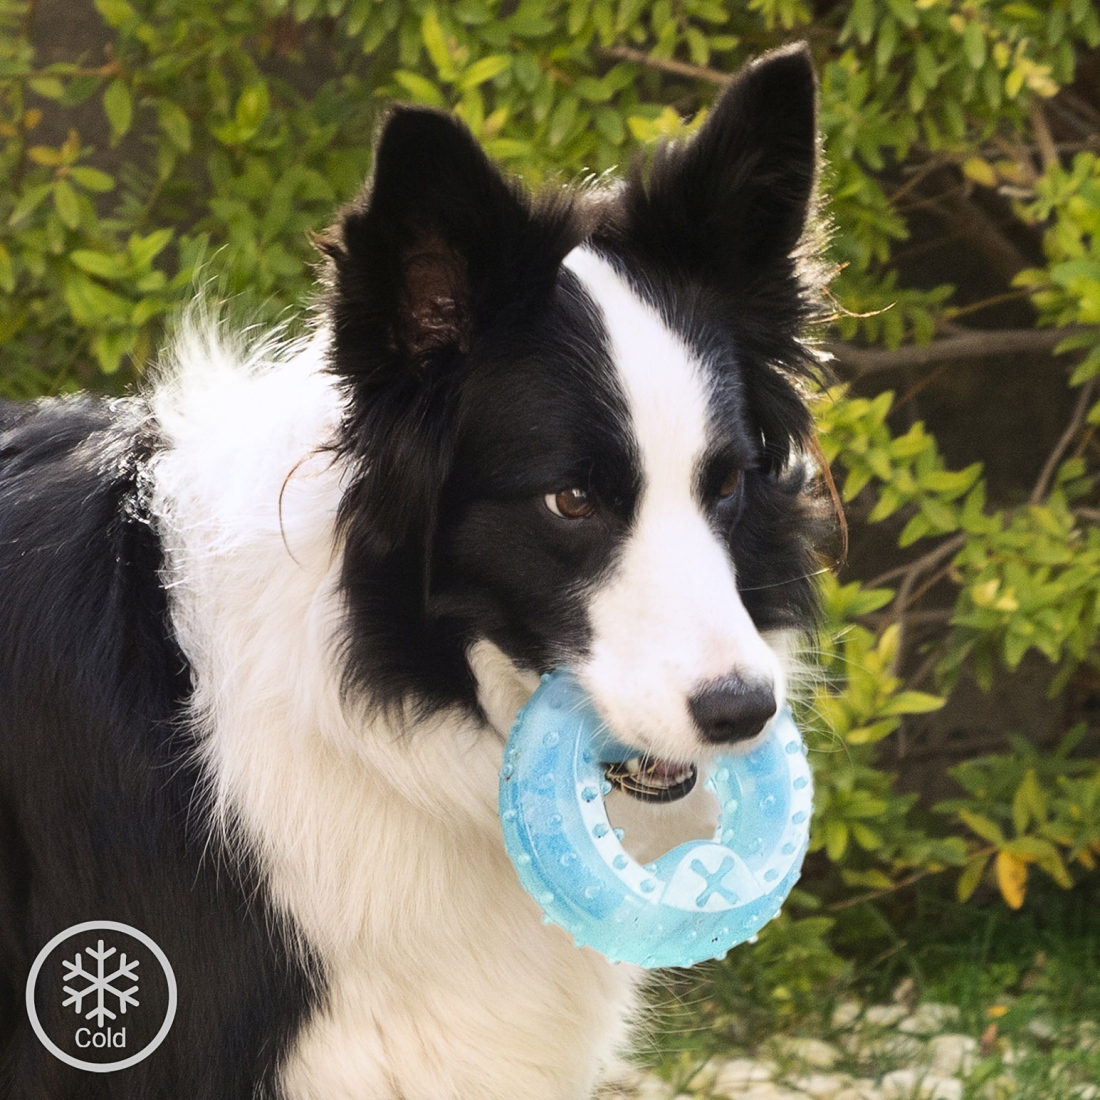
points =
(695, 902)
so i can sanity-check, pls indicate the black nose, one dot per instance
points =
(732, 709)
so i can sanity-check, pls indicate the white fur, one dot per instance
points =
(381, 845)
(674, 584)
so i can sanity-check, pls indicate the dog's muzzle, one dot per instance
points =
(650, 779)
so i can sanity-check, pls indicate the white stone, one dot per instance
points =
(862, 1089)
(702, 1080)
(846, 1014)
(1001, 1087)
(1041, 1028)
(810, 1052)
(822, 1086)
(901, 1084)
(1088, 1033)
(653, 1088)
(732, 1077)
(771, 1091)
(941, 1088)
(929, 1019)
(951, 1055)
(884, 1015)
(888, 1049)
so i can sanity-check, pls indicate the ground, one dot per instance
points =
(900, 1050)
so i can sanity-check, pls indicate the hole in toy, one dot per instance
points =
(648, 830)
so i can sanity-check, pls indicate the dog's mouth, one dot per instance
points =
(650, 779)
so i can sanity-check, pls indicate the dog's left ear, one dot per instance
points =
(730, 205)
(728, 210)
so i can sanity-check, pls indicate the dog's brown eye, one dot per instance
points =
(729, 486)
(570, 503)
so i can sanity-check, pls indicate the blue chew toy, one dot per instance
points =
(695, 902)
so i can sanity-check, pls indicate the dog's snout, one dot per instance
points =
(732, 709)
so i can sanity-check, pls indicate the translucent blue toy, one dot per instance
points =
(695, 902)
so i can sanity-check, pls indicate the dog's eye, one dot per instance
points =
(570, 503)
(730, 485)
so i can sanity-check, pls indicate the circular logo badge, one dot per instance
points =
(101, 996)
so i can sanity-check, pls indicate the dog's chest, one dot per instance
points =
(441, 982)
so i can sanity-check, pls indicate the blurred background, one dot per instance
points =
(150, 149)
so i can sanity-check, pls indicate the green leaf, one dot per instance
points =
(31, 200)
(917, 527)
(92, 179)
(431, 33)
(252, 108)
(144, 250)
(971, 876)
(609, 123)
(986, 829)
(93, 305)
(101, 264)
(912, 702)
(483, 70)
(974, 44)
(49, 87)
(836, 839)
(420, 88)
(7, 271)
(66, 203)
(175, 124)
(862, 19)
(118, 104)
(115, 12)
(561, 121)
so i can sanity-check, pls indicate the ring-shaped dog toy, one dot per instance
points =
(696, 901)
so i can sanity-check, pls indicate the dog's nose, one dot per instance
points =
(732, 709)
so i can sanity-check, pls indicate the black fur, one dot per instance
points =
(95, 784)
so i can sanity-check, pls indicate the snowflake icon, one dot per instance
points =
(101, 983)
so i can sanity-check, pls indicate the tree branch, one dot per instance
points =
(894, 887)
(969, 345)
(667, 65)
(1072, 428)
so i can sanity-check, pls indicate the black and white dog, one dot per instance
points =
(264, 629)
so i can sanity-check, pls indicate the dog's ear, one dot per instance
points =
(728, 210)
(730, 205)
(436, 245)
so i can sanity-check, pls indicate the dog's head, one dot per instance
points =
(574, 420)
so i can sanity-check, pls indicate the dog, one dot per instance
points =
(264, 628)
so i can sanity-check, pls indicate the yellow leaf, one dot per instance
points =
(995, 1012)
(980, 171)
(1011, 878)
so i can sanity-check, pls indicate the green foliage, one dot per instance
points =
(218, 134)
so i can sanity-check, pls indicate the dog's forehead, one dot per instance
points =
(667, 389)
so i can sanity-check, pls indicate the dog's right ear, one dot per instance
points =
(437, 244)
(437, 247)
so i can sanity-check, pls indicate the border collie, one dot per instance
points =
(264, 629)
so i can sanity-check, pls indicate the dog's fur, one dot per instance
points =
(263, 630)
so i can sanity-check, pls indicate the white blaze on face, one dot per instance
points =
(668, 618)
